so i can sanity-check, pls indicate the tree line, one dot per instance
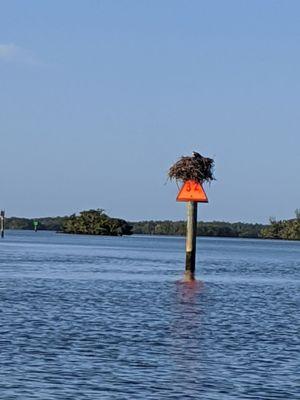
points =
(97, 222)
(284, 229)
(89, 222)
(214, 229)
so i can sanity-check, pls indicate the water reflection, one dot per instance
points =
(189, 291)
(187, 353)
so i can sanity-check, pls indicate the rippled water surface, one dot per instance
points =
(107, 318)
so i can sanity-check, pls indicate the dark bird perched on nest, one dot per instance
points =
(196, 168)
(195, 154)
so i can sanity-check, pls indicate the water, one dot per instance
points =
(107, 318)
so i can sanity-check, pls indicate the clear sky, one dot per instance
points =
(99, 98)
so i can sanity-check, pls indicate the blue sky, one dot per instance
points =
(99, 98)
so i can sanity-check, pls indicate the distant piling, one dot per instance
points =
(35, 225)
(2, 223)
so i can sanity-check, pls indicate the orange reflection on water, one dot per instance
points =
(189, 290)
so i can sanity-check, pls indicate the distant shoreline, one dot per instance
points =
(159, 235)
(282, 230)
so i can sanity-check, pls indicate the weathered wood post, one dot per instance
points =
(192, 171)
(2, 224)
(191, 236)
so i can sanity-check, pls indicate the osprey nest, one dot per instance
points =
(196, 168)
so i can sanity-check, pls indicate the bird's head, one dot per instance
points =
(195, 154)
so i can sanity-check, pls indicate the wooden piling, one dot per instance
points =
(191, 235)
(2, 225)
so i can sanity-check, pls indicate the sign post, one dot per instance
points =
(193, 193)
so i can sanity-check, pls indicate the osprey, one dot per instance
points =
(195, 154)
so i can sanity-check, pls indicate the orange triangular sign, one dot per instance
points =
(192, 191)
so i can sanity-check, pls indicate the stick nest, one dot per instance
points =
(196, 167)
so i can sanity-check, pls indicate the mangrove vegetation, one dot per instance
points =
(97, 222)
(284, 229)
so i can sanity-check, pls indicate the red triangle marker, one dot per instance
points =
(192, 191)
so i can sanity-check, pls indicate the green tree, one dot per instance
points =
(95, 222)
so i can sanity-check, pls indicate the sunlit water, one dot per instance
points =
(107, 318)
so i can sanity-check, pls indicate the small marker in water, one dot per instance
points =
(35, 225)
